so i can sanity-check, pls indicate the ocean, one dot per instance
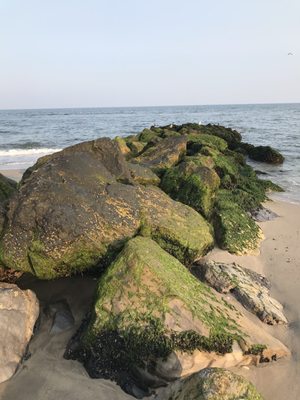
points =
(26, 135)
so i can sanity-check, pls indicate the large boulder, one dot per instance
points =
(154, 320)
(76, 208)
(19, 311)
(212, 384)
(250, 288)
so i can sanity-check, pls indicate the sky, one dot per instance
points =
(103, 53)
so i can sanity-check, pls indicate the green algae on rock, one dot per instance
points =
(155, 321)
(148, 298)
(212, 384)
(192, 184)
(74, 211)
(235, 230)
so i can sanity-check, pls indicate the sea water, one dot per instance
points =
(26, 135)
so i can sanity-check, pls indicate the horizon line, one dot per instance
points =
(148, 106)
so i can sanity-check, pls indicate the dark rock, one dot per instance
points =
(265, 154)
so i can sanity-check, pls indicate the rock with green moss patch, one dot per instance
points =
(177, 228)
(75, 209)
(235, 230)
(196, 141)
(147, 135)
(156, 322)
(211, 384)
(192, 184)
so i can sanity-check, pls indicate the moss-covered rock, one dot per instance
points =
(177, 228)
(196, 141)
(192, 184)
(154, 321)
(147, 135)
(235, 230)
(148, 305)
(79, 207)
(213, 384)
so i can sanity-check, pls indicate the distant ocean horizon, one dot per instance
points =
(26, 135)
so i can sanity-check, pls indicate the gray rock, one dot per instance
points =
(19, 310)
(251, 289)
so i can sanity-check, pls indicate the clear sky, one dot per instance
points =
(69, 53)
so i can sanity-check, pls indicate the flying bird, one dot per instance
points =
(290, 54)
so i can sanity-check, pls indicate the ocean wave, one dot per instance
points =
(27, 152)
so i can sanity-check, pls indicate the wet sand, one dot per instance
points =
(47, 376)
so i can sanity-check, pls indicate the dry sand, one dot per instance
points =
(47, 376)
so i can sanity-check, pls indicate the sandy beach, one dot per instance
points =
(46, 375)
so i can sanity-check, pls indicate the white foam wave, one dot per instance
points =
(26, 152)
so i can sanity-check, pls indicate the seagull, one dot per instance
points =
(290, 54)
